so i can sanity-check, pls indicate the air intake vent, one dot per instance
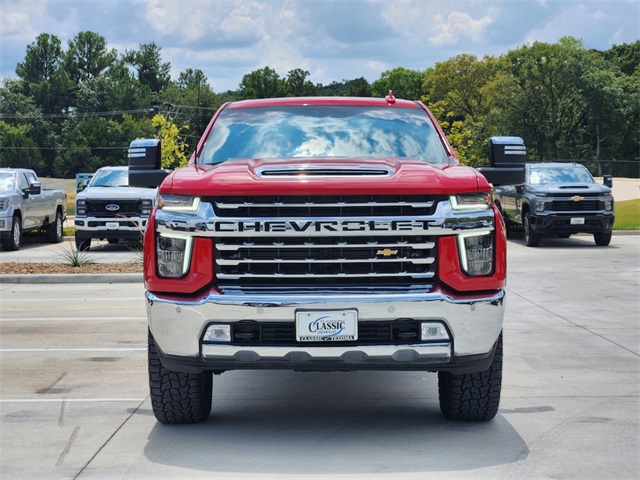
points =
(324, 171)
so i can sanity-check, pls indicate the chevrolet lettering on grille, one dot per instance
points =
(318, 226)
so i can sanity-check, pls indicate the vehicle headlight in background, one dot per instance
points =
(174, 255)
(476, 253)
(178, 203)
(471, 201)
(540, 205)
(4, 204)
(81, 207)
(146, 205)
(608, 204)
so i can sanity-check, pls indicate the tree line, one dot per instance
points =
(76, 109)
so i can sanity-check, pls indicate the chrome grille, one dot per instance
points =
(306, 260)
(346, 206)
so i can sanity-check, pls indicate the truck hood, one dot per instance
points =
(570, 188)
(344, 176)
(117, 193)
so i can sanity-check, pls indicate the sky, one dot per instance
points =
(334, 40)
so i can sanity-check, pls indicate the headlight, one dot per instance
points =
(4, 203)
(178, 203)
(174, 255)
(471, 201)
(476, 253)
(81, 207)
(608, 204)
(540, 205)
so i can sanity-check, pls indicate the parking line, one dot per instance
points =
(69, 319)
(58, 400)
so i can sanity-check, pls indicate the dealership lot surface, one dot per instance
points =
(74, 400)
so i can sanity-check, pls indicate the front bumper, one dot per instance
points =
(561, 223)
(97, 227)
(473, 322)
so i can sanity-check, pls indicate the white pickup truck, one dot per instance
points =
(110, 209)
(25, 207)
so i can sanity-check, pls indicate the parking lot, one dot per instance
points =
(74, 395)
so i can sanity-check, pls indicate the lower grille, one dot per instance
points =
(581, 206)
(397, 332)
(325, 261)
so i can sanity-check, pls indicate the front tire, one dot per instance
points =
(602, 239)
(473, 397)
(531, 238)
(14, 240)
(54, 229)
(177, 397)
(83, 244)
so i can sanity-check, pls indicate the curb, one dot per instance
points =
(74, 278)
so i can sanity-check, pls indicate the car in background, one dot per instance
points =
(557, 199)
(110, 209)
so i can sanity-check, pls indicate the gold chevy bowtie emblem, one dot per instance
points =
(387, 252)
(577, 198)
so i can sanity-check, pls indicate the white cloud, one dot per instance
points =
(459, 25)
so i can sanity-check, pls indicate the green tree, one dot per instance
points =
(42, 74)
(297, 84)
(262, 83)
(403, 82)
(173, 145)
(88, 57)
(148, 63)
(18, 149)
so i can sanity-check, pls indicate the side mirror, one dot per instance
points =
(34, 188)
(519, 189)
(507, 156)
(607, 180)
(145, 163)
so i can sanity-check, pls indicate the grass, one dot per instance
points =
(627, 215)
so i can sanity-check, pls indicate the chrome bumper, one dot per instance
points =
(474, 324)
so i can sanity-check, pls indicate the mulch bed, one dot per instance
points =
(18, 268)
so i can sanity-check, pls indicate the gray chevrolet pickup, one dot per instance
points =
(560, 199)
(25, 207)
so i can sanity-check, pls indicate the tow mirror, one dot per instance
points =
(607, 180)
(507, 156)
(145, 163)
(34, 188)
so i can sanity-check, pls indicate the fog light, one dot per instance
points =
(218, 333)
(433, 331)
(174, 255)
(476, 253)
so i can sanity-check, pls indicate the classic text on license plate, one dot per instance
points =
(327, 325)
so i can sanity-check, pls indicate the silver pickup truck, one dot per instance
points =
(25, 207)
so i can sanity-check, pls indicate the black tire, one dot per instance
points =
(531, 238)
(54, 229)
(177, 397)
(113, 241)
(83, 244)
(14, 240)
(602, 239)
(473, 397)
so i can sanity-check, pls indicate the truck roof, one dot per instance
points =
(350, 101)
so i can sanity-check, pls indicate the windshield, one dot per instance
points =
(323, 131)
(7, 181)
(559, 174)
(110, 178)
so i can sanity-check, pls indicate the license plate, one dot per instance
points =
(327, 325)
(577, 221)
(113, 225)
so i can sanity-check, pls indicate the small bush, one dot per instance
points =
(74, 257)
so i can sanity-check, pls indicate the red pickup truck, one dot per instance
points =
(322, 234)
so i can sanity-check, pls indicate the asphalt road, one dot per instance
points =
(74, 396)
